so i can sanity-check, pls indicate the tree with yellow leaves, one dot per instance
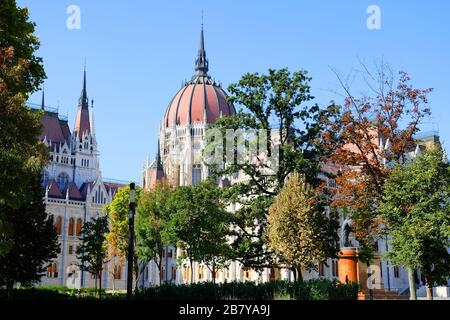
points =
(300, 231)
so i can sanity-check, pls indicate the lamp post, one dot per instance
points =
(131, 242)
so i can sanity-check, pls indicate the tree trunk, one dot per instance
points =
(412, 285)
(192, 271)
(299, 274)
(95, 283)
(429, 287)
(100, 284)
(294, 272)
(216, 296)
(9, 289)
(160, 274)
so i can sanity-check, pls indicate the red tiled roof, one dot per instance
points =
(52, 129)
(113, 187)
(74, 193)
(53, 190)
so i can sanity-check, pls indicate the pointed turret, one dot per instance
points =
(82, 121)
(159, 165)
(83, 101)
(201, 63)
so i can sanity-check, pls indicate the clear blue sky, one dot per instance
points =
(138, 53)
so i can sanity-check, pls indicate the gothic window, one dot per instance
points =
(396, 272)
(44, 179)
(196, 174)
(58, 225)
(201, 274)
(79, 223)
(334, 265)
(86, 146)
(70, 249)
(71, 226)
(62, 181)
(174, 272)
(321, 270)
(117, 272)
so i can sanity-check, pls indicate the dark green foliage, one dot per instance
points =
(416, 209)
(319, 289)
(21, 73)
(92, 251)
(33, 240)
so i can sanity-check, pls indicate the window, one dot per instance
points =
(58, 225)
(396, 272)
(71, 226)
(44, 179)
(196, 174)
(71, 249)
(174, 272)
(62, 181)
(321, 270)
(117, 272)
(52, 270)
(169, 253)
(201, 272)
(79, 223)
(186, 272)
(334, 267)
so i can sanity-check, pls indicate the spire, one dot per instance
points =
(158, 157)
(201, 63)
(82, 121)
(83, 102)
(43, 99)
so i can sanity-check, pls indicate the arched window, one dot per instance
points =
(79, 224)
(44, 179)
(71, 226)
(196, 174)
(62, 181)
(52, 270)
(200, 272)
(58, 224)
(117, 272)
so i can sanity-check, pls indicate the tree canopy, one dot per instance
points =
(299, 229)
(416, 212)
(280, 103)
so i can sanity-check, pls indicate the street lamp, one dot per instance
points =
(131, 242)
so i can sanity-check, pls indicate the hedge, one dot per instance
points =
(317, 289)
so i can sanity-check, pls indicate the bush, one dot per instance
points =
(49, 293)
(317, 289)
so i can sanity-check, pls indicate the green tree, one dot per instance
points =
(92, 251)
(150, 224)
(33, 240)
(280, 103)
(21, 73)
(118, 212)
(299, 229)
(199, 225)
(416, 211)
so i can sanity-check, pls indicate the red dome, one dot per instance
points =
(200, 101)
